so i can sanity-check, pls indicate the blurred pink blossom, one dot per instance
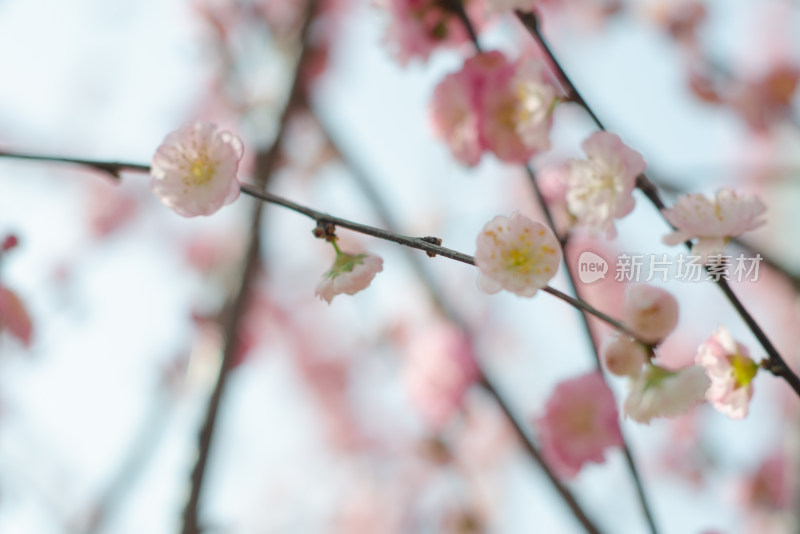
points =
(728, 365)
(109, 208)
(454, 117)
(651, 312)
(580, 422)
(418, 27)
(516, 254)
(713, 222)
(768, 99)
(601, 186)
(349, 274)
(497, 105)
(194, 170)
(14, 317)
(439, 370)
(770, 486)
(9, 242)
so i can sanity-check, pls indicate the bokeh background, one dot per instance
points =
(338, 418)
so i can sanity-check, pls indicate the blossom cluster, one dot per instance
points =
(495, 105)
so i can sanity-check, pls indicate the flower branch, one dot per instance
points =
(572, 287)
(777, 365)
(384, 214)
(421, 243)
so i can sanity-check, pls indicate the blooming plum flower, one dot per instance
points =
(651, 312)
(624, 356)
(516, 254)
(349, 274)
(601, 186)
(728, 365)
(493, 104)
(713, 221)
(580, 422)
(194, 170)
(659, 392)
(14, 317)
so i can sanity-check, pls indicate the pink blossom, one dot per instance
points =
(728, 365)
(516, 112)
(418, 27)
(659, 392)
(349, 274)
(455, 119)
(109, 208)
(9, 242)
(768, 99)
(14, 317)
(493, 104)
(194, 170)
(601, 186)
(580, 422)
(713, 222)
(681, 19)
(439, 370)
(651, 312)
(536, 99)
(624, 356)
(770, 486)
(516, 254)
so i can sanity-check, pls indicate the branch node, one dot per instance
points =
(433, 241)
(325, 230)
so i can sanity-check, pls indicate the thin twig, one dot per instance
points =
(419, 243)
(422, 244)
(112, 168)
(775, 364)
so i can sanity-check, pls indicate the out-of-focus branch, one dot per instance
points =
(265, 164)
(141, 451)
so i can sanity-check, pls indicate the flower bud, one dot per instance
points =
(624, 356)
(651, 312)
